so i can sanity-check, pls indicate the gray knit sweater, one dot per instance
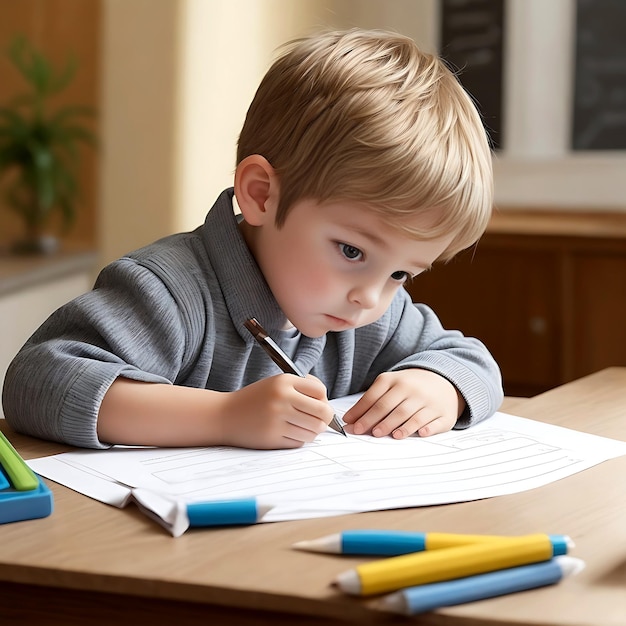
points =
(174, 311)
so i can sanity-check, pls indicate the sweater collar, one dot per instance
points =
(245, 290)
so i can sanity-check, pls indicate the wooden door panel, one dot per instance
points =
(598, 313)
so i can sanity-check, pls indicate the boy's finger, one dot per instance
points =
(362, 407)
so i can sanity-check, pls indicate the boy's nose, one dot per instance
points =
(366, 296)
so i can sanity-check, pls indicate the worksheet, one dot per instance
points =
(335, 475)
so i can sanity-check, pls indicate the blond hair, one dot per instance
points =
(367, 116)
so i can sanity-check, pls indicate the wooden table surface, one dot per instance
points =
(92, 563)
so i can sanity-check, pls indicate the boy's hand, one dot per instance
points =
(283, 411)
(406, 402)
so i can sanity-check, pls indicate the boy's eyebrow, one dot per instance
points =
(376, 239)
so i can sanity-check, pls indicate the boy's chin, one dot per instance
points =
(322, 325)
(313, 331)
(314, 334)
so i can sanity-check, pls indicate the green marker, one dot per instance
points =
(21, 476)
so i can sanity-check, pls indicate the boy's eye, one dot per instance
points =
(350, 252)
(400, 275)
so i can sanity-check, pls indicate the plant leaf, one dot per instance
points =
(39, 146)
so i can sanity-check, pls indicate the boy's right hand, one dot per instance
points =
(283, 411)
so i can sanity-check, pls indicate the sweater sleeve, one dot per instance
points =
(129, 325)
(416, 338)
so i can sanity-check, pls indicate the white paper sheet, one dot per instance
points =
(335, 475)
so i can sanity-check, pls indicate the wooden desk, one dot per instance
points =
(91, 563)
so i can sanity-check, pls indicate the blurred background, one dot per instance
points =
(170, 82)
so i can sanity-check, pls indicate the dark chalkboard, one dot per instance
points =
(600, 77)
(471, 42)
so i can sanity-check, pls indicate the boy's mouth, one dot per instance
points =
(341, 322)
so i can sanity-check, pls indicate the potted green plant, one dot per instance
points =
(39, 148)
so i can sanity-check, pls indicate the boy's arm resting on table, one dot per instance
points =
(463, 361)
(282, 411)
(114, 366)
(139, 413)
(452, 378)
(405, 402)
(54, 385)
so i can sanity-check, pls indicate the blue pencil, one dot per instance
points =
(177, 515)
(422, 598)
(225, 512)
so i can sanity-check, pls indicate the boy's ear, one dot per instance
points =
(256, 189)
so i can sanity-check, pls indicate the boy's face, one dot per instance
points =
(337, 265)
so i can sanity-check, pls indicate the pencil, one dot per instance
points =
(428, 567)
(422, 598)
(282, 360)
(374, 542)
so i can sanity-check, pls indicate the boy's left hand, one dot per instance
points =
(406, 402)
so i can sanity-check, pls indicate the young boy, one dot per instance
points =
(361, 161)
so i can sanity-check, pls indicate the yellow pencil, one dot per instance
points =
(445, 564)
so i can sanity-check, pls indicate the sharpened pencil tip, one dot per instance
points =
(335, 424)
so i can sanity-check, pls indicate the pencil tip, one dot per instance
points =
(336, 425)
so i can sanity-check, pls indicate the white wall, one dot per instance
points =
(139, 66)
(414, 18)
(226, 48)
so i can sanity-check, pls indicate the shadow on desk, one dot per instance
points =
(64, 607)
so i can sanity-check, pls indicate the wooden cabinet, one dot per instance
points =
(546, 292)
(598, 314)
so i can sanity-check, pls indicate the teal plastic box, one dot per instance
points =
(23, 505)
